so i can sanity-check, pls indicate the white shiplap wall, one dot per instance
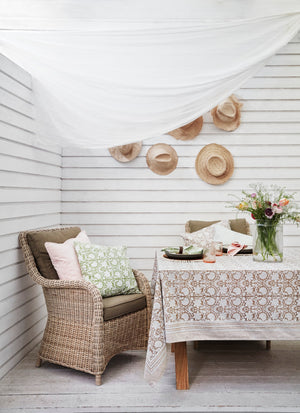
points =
(128, 204)
(30, 196)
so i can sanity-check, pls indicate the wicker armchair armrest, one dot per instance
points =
(77, 300)
(144, 287)
(81, 286)
(74, 301)
(142, 283)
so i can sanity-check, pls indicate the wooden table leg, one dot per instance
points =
(172, 347)
(181, 366)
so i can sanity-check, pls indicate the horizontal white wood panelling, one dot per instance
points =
(22, 180)
(143, 218)
(30, 197)
(28, 152)
(21, 346)
(9, 319)
(152, 230)
(10, 272)
(128, 204)
(9, 226)
(281, 59)
(35, 194)
(273, 82)
(204, 138)
(17, 329)
(185, 170)
(279, 71)
(27, 138)
(15, 87)
(16, 118)
(148, 196)
(15, 72)
(28, 209)
(16, 300)
(18, 105)
(182, 185)
(36, 167)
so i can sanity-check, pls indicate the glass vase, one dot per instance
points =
(268, 242)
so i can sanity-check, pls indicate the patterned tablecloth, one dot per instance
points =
(232, 299)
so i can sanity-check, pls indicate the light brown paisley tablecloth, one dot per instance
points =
(232, 299)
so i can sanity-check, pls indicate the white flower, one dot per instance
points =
(277, 209)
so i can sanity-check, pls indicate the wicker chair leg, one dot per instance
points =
(268, 345)
(98, 379)
(38, 362)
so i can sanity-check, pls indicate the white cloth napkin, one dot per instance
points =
(235, 247)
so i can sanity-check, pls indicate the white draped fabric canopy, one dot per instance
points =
(110, 72)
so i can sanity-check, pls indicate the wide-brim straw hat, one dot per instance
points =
(162, 159)
(227, 115)
(189, 131)
(126, 153)
(214, 164)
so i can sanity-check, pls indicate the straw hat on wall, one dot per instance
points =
(126, 153)
(162, 159)
(227, 115)
(214, 164)
(189, 131)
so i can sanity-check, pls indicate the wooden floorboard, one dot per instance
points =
(224, 377)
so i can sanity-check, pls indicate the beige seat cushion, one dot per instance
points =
(36, 241)
(119, 305)
(238, 225)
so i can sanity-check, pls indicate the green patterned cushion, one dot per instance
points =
(106, 267)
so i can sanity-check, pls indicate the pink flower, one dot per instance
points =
(253, 195)
(276, 209)
(283, 202)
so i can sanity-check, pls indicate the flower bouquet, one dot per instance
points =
(269, 207)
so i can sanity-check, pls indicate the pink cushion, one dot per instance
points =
(64, 258)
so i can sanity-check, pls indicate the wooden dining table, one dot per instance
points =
(234, 298)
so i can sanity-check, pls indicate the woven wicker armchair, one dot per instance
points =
(76, 334)
(238, 225)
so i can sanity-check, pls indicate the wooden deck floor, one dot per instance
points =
(224, 377)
